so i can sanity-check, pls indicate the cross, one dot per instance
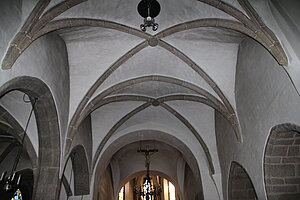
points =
(147, 152)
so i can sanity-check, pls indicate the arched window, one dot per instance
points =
(169, 190)
(17, 195)
(172, 191)
(136, 189)
(121, 194)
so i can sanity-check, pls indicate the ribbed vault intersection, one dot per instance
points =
(127, 87)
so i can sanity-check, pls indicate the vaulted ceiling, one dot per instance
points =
(170, 81)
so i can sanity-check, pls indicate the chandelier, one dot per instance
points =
(149, 9)
(9, 184)
(148, 191)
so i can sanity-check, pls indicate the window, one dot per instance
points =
(17, 196)
(121, 193)
(172, 191)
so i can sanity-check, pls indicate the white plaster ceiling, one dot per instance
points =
(154, 89)
(172, 87)
(217, 59)
(155, 61)
(104, 118)
(92, 51)
(172, 12)
(199, 63)
(165, 160)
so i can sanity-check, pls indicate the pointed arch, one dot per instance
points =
(240, 186)
(282, 161)
(81, 171)
(48, 132)
(103, 161)
(172, 111)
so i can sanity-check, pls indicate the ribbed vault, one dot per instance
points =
(126, 83)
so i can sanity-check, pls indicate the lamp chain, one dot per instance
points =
(24, 134)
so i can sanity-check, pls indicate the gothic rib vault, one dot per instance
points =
(104, 87)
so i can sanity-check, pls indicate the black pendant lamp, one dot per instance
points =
(149, 9)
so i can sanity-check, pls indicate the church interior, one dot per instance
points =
(150, 100)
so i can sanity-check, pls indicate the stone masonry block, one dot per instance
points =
(279, 150)
(239, 195)
(285, 134)
(298, 170)
(283, 189)
(291, 160)
(284, 142)
(251, 194)
(271, 159)
(282, 170)
(277, 181)
(294, 151)
(269, 150)
(238, 184)
(289, 196)
(292, 181)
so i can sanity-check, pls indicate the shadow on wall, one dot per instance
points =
(240, 185)
(106, 190)
(282, 163)
(192, 186)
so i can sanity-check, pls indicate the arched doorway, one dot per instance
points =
(127, 166)
(162, 188)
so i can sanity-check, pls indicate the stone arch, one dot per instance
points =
(152, 172)
(282, 162)
(39, 24)
(103, 161)
(142, 79)
(209, 100)
(15, 130)
(170, 110)
(80, 108)
(48, 131)
(29, 176)
(240, 186)
(224, 104)
(81, 171)
(7, 150)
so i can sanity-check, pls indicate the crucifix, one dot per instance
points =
(147, 152)
(147, 191)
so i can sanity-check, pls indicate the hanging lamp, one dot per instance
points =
(149, 9)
